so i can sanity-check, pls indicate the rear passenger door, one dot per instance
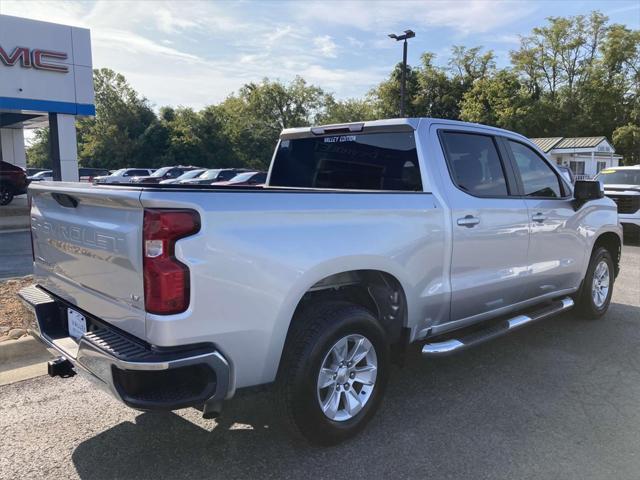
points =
(490, 227)
(556, 249)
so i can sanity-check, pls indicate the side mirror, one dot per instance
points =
(585, 190)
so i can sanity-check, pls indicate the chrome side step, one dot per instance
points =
(452, 345)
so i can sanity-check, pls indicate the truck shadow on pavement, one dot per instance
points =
(538, 402)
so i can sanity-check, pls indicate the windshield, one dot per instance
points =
(621, 177)
(43, 174)
(373, 161)
(190, 174)
(210, 175)
(161, 171)
(117, 173)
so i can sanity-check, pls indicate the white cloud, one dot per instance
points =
(132, 43)
(464, 16)
(326, 46)
(168, 22)
(196, 53)
(354, 42)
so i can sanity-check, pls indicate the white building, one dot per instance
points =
(45, 78)
(585, 156)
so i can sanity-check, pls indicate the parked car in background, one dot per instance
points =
(622, 185)
(368, 238)
(215, 175)
(185, 176)
(13, 181)
(246, 178)
(33, 170)
(84, 174)
(124, 175)
(43, 175)
(164, 173)
(87, 174)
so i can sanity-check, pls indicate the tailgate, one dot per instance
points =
(87, 245)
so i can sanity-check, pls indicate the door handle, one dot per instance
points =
(539, 217)
(468, 221)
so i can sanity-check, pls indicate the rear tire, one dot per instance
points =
(597, 287)
(6, 194)
(333, 372)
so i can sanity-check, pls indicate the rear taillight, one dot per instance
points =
(166, 280)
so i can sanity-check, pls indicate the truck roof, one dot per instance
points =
(399, 124)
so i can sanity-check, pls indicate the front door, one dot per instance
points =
(556, 247)
(490, 228)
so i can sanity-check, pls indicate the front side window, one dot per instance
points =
(474, 163)
(367, 161)
(538, 179)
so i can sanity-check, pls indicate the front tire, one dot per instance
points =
(333, 373)
(597, 287)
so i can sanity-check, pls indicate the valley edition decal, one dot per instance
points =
(34, 58)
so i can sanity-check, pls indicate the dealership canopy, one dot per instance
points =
(45, 79)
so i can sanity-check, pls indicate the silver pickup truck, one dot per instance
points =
(368, 238)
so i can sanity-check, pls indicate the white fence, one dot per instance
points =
(584, 177)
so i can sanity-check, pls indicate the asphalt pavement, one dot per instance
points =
(15, 254)
(558, 399)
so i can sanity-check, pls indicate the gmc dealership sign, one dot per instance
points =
(34, 58)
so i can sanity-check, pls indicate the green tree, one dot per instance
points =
(38, 151)
(626, 140)
(572, 76)
(115, 136)
(255, 116)
(437, 94)
(499, 100)
(386, 96)
(345, 111)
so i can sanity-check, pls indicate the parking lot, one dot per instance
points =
(559, 399)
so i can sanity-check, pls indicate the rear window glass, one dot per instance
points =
(374, 161)
(474, 163)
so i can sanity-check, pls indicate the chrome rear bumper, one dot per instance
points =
(134, 372)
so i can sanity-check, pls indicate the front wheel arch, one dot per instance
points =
(612, 242)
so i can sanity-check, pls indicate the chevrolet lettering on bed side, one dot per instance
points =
(368, 239)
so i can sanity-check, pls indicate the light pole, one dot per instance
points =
(407, 35)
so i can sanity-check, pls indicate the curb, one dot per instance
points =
(22, 348)
(22, 359)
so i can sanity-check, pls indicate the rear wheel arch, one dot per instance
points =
(380, 292)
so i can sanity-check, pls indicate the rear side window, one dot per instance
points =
(374, 161)
(538, 179)
(474, 164)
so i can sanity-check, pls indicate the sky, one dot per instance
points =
(195, 53)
